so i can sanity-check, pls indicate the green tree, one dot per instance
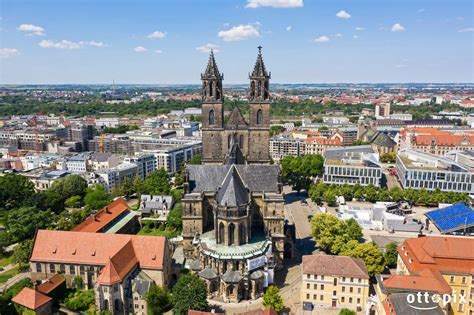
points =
(346, 311)
(22, 223)
(388, 157)
(391, 255)
(72, 185)
(158, 300)
(325, 228)
(21, 253)
(15, 190)
(137, 184)
(330, 198)
(396, 194)
(174, 220)
(272, 299)
(370, 193)
(73, 202)
(157, 183)
(347, 192)
(195, 160)
(353, 229)
(96, 197)
(369, 252)
(189, 293)
(80, 300)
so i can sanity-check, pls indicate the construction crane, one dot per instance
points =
(101, 142)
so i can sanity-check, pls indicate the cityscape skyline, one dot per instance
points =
(304, 41)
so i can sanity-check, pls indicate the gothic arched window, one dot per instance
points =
(231, 234)
(211, 117)
(211, 88)
(241, 141)
(221, 233)
(259, 88)
(259, 117)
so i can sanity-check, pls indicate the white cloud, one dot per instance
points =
(240, 32)
(156, 35)
(95, 44)
(397, 27)
(67, 44)
(8, 52)
(31, 29)
(338, 35)
(343, 15)
(469, 29)
(355, 36)
(207, 48)
(158, 51)
(288, 28)
(274, 3)
(400, 65)
(359, 28)
(322, 39)
(421, 10)
(140, 49)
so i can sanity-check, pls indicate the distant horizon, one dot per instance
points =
(238, 84)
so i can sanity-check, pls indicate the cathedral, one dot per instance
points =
(234, 230)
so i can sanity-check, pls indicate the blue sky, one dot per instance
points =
(304, 41)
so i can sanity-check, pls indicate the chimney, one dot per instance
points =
(107, 210)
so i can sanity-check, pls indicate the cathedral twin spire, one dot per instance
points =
(212, 81)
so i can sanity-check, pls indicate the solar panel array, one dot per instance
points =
(455, 217)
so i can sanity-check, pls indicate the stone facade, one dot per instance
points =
(218, 135)
(234, 232)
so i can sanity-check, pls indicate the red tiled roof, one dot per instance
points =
(85, 248)
(323, 140)
(96, 222)
(50, 284)
(330, 265)
(438, 253)
(445, 140)
(426, 280)
(31, 299)
(118, 265)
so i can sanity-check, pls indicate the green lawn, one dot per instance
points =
(4, 276)
(157, 232)
(6, 259)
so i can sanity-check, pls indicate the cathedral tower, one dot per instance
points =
(212, 112)
(259, 120)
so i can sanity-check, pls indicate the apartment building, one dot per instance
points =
(334, 282)
(115, 176)
(145, 162)
(319, 145)
(420, 170)
(352, 165)
(286, 145)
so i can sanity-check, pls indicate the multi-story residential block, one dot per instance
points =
(334, 282)
(81, 134)
(319, 145)
(146, 163)
(419, 170)
(77, 163)
(285, 145)
(107, 263)
(352, 165)
(102, 161)
(440, 265)
(43, 179)
(112, 122)
(115, 176)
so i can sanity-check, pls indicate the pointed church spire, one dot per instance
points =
(259, 68)
(212, 81)
(212, 70)
(259, 80)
